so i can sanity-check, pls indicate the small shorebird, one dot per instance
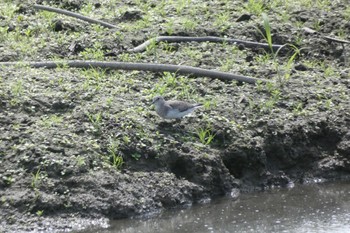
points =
(173, 109)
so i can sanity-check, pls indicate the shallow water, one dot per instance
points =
(308, 208)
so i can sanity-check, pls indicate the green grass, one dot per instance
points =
(39, 213)
(94, 53)
(8, 180)
(222, 22)
(189, 24)
(114, 157)
(80, 161)
(205, 135)
(36, 179)
(17, 88)
(96, 121)
(346, 13)
(136, 156)
(255, 6)
(283, 70)
(49, 121)
(267, 35)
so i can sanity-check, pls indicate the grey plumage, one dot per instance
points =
(173, 109)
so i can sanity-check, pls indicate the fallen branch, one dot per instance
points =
(142, 47)
(179, 69)
(247, 44)
(311, 31)
(75, 15)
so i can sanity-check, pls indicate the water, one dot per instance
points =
(309, 208)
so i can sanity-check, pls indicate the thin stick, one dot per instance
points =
(248, 44)
(75, 15)
(143, 46)
(179, 69)
(312, 31)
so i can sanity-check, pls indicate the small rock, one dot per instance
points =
(185, 149)
(22, 9)
(11, 28)
(303, 17)
(75, 47)
(60, 105)
(244, 17)
(131, 15)
(241, 47)
(301, 67)
(249, 58)
(57, 25)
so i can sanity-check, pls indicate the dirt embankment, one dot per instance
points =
(79, 146)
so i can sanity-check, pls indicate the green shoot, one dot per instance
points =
(36, 179)
(205, 136)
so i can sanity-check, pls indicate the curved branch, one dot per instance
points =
(198, 72)
(312, 31)
(248, 44)
(142, 47)
(75, 15)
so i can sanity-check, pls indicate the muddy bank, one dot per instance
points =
(79, 147)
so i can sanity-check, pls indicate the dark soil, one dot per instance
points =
(63, 130)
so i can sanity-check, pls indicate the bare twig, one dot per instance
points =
(75, 15)
(311, 31)
(142, 47)
(248, 44)
(179, 69)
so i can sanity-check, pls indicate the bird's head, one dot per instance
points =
(157, 100)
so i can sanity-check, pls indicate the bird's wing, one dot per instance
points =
(180, 105)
